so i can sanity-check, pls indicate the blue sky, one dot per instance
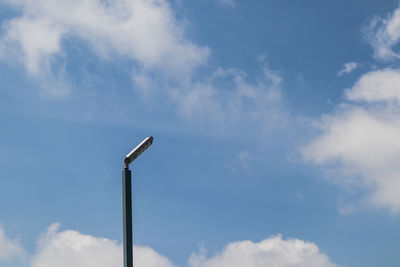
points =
(275, 129)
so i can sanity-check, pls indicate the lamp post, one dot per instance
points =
(127, 199)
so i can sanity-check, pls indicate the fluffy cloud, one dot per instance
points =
(361, 138)
(380, 85)
(384, 34)
(71, 248)
(145, 31)
(348, 68)
(10, 249)
(164, 61)
(273, 252)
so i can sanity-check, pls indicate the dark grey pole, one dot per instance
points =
(127, 211)
(127, 199)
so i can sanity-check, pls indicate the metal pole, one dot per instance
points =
(127, 199)
(127, 211)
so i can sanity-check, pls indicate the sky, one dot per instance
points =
(275, 128)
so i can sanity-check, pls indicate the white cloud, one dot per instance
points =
(384, 35)
(380, 85)
(358, 143)
(273, 252)
(10, 249)
(145, 31)
(71, 248)
(348, 68)
(360, 139)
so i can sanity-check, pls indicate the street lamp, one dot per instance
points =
(127, 199)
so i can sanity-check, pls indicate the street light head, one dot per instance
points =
(139, 149)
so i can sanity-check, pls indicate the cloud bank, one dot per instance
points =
(72, 248)
(360, 139)
(164, 61)
(145, 31)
